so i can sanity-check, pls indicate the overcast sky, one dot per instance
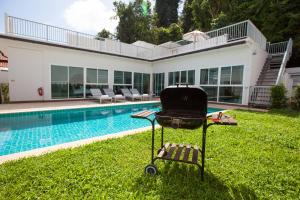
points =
(89, 16)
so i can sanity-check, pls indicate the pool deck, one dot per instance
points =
(60, 105)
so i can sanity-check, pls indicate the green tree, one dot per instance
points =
(104, 34)
(134, 21)
(187, 16)
(167, 12)
(126, 27)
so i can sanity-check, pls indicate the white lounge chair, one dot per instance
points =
(115, 97)
(96, 94)
(129, 95)
(136, 92)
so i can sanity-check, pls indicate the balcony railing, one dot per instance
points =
(277, 48)
(39, 31)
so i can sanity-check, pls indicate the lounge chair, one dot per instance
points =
(129, 95)
(114, 96)
(96, 94)
(136, 92)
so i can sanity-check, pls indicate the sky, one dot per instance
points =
(89, 16)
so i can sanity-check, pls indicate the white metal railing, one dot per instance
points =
(285, 59)
(260, 95)
(26, 28)
(48, 33)
(239, 31)
(277, 48)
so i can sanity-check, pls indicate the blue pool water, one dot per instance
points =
(26, 131)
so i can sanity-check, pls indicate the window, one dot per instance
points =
(95, 78)
(232, 75)
(59, 82)
(75, 82)
(191, 77)
(66, 82)
(142, 82)
(229, 89)
(213, 76)
(230, 94)
(122, 80)
(158, 83)
(203, 76)
(212, 92)
(182, 77)
(225, 75)
(209, 76)
(237, 75)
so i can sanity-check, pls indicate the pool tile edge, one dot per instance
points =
(79, 143)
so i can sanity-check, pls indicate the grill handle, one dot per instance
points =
(186, 84)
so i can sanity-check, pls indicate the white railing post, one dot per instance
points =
(6, 23)
(284, 61)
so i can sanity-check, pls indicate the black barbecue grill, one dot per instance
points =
(182, 107)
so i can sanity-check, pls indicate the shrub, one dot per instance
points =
(278, 96)
(296, 98)
(5, 92)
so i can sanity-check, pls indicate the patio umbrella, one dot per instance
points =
(195, 36)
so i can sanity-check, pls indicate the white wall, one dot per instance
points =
(30, 67)
(3, 76)
(230, 56)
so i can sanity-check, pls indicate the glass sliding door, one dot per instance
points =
(59, 82)
(231, 84)
(138, 81)
(95, 78)
(122, 80)
(209, 82)
(183, 77)
(75, 82)
(191, 77)
(158, 83)
(146, 84)
(231, 94)
(142, 82)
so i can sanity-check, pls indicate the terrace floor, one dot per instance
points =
(55, 105)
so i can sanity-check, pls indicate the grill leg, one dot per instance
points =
(203, 148)
(152, 149)
(162, 137)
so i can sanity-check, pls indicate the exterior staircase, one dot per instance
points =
(269, 73)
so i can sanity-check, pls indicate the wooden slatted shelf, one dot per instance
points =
(143, 114)
(180, 152)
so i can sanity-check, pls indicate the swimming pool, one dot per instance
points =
(31, 130)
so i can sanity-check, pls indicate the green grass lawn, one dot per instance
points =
(258, 159)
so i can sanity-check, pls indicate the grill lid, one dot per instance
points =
(184, 100)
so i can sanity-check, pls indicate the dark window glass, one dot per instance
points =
(146, 84)
(171, 78)
(204, 77)
(127, 77)
(213, 76)
(137, 81)
(225, 75)
(75, 82)
(237, 75)
(91, 75)
(231, 94)
(118, 77)
(212, 92)
(176, 74)
(191, 77)
(102, 76)
(183, 77)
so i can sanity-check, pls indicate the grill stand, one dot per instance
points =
(166, 151)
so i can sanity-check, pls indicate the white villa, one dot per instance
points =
(234, 64)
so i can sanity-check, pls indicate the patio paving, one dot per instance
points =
(54, 105)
